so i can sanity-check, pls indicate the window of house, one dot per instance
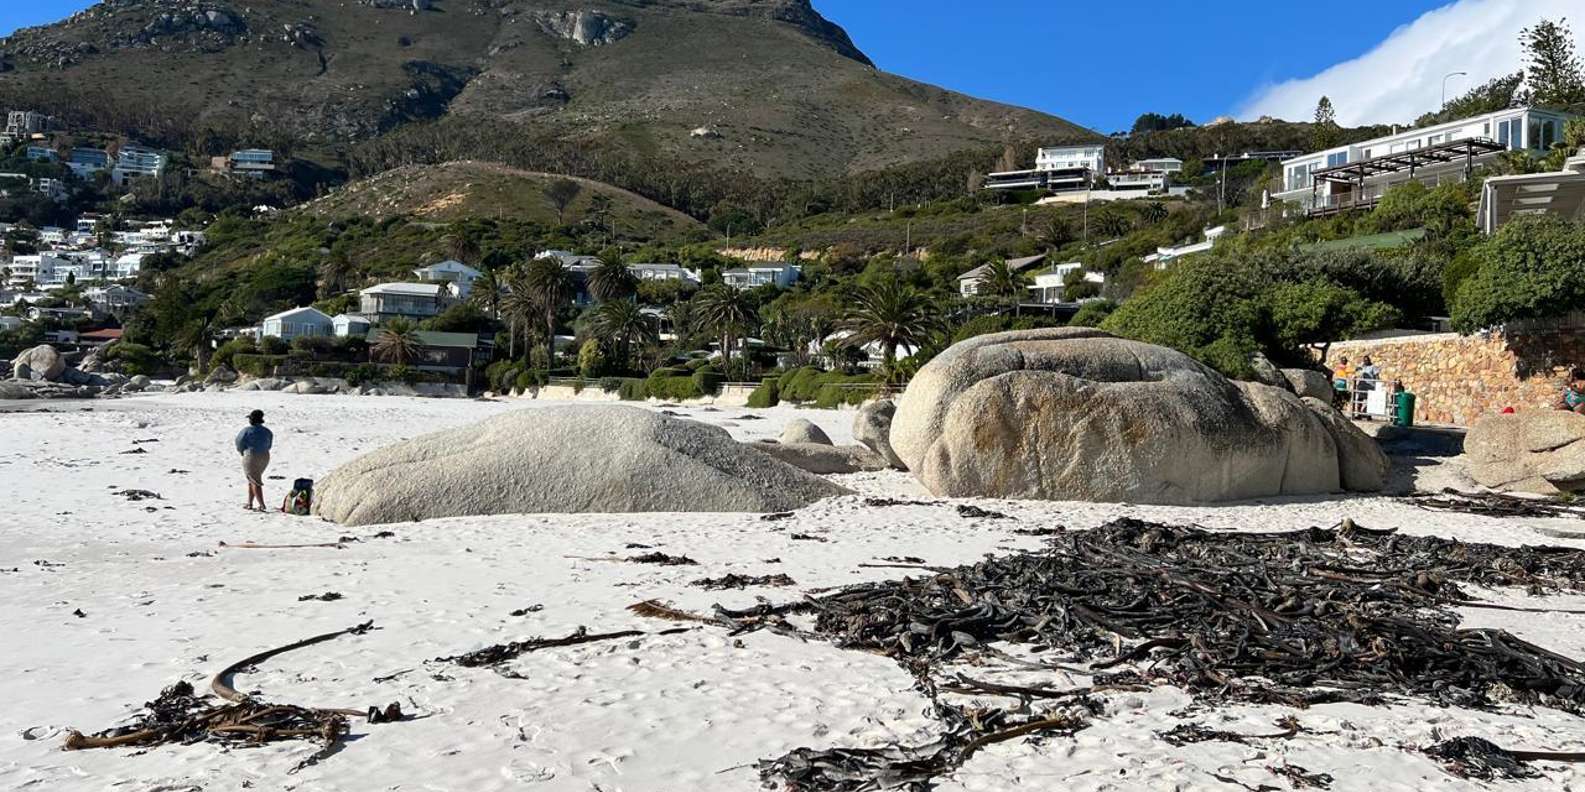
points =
(1334, 160)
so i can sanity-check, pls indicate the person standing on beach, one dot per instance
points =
(253, 443)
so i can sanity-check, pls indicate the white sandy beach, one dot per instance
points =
(163, 601)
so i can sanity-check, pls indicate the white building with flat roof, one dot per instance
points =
(1356, 175)
(134, 162)
(756, 275)
(1091, 157)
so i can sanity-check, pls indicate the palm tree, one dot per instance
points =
(727, 312)
(486, 292)
(1001, 280)
(1112, 224)
(333, 274)
(550, 285)
(396, 342)
(518, 307)
(892, 314)
(611, 279)
(461, 247)
(1155, 212)
(623, 322)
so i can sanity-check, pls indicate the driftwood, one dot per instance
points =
(1495, 504)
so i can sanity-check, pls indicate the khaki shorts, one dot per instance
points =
(253, 465)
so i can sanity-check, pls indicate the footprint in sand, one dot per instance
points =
(40, 732)
(527, 772)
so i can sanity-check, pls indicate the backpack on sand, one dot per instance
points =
(300, 500)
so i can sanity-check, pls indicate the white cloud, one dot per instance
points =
(1402, 76)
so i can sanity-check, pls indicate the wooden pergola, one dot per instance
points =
(1355, 173)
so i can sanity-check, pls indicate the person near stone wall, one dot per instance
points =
(1573, 398)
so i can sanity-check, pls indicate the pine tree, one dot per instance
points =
(1553, 76)
(1326, 134)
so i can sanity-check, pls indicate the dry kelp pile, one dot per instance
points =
(1293, 618)
(180, 716)
(1495, 504)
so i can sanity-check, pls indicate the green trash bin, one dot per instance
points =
(1403, 413)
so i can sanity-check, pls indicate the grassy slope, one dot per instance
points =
(460, 190)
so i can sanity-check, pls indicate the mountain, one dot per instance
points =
(768, 87)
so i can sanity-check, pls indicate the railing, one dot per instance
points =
(1365, 399)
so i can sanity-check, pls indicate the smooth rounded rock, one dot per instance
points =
(585, 458)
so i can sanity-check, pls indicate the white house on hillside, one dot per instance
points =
(1050, 286)
(969, 282)
(350, 325)
(297, 323)
(1557, 193)
(410, 300)
(1166, 255)
(1057, 168)
(450, 271)
(756, 275)
(1358, 174)
(674, 272)
(1159, 165)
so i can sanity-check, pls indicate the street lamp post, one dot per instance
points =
(1444, 85)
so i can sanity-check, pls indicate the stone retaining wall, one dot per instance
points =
(1456, 378)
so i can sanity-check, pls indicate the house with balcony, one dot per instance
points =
(1057, 169)
(251, 163)
(133, 162)
(1050, 287)
(756, 275)
(1158, 165)
(1358, 174)
(664, 272)
(305, 322)
(415, 301)
(85, 162)
(1149, 182)
(115, 298)
(452, 272)
(1166, 255)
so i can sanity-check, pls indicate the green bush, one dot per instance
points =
(766, 395)
(315, 346)
(225, 352)
(1533, 268)
(980, 325)
(611, 384)
(800, 385)
(834, 394)
(1093, 313)
(133, 359)
(272, 345)
(591, 360)
(673, 388)
(257, 365)
(633, 389)
(810, 385)
(524, 381)
(708, 380)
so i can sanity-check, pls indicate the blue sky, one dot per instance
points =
(1102, 64)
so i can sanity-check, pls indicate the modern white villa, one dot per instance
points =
(1166, 255)
(663, 272)
(754, 276)
(1049, 287)
(1057, 168)
(135, 162)
(297, 323)
(1358, 174)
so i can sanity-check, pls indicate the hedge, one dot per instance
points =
(674, 388)
(353, 373)
(766, 395)
(810, 384)
(633, 389)
(708, 380)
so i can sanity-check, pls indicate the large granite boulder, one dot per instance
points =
(1363, 465)
(1539, 451)
(222, 375)
(594, 458)
(42, 363)
(1078, 414)
(801, 430)
(872, 428)
(824, 458)
(1309, 383)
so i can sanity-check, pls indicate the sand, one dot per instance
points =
(163, 601)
